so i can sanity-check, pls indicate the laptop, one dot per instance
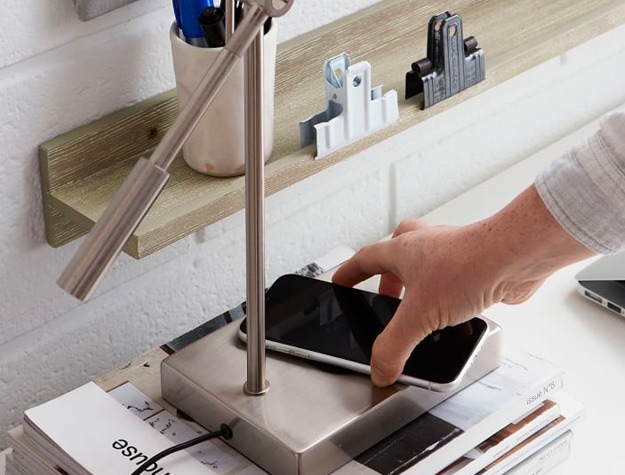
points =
(603, 282)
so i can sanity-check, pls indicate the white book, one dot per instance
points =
(432, 441)
(214, 454)
(86, 431)
(547, 458)
(504, 440)
(572, 411)
(26, 466)
(27, 459)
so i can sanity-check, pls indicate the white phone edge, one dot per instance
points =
(366, 369)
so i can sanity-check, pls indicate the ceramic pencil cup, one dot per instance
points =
(217, 145)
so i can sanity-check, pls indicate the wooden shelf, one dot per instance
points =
(81, 170)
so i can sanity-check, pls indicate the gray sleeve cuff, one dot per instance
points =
(585, 188)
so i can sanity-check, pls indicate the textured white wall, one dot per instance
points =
(57, 73)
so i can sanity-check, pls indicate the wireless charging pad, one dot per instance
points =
(311, 421)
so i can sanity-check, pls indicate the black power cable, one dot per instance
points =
(224, 431)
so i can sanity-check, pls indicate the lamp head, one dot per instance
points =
(147, 179)
(273, 8)
(111, 232)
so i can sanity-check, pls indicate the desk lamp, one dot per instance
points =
(311, 421)
(147, 179)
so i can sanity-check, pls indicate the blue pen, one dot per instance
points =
(189, 13)
(177, 12)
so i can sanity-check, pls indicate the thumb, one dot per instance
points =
(393, 346)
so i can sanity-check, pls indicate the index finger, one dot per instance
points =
(368, 261)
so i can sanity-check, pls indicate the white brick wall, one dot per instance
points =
(57, 73)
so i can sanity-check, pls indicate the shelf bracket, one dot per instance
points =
(90, 9)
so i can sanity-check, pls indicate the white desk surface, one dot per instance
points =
(558, 324)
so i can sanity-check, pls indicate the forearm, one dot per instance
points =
(576, 208)
(524, 244)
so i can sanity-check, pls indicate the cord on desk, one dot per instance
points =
(224, 431)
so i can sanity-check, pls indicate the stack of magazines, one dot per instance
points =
(515, 420)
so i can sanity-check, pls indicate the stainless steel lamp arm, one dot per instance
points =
(137, 194)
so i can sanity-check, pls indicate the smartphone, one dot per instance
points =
(337, 325)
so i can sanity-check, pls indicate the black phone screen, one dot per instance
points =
(343, 322)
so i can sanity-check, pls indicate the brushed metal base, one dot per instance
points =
(312, 420)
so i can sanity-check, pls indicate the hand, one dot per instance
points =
(451, 274)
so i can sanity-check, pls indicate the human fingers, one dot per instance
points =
(368, 261)
(408, 225)
(394, 345)
(391, 284)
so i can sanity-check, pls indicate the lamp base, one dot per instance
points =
(312, 420)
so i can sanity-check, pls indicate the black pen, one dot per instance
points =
(238, 13)
(267, 26)
(212, 22)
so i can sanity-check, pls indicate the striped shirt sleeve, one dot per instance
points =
(585, 188)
